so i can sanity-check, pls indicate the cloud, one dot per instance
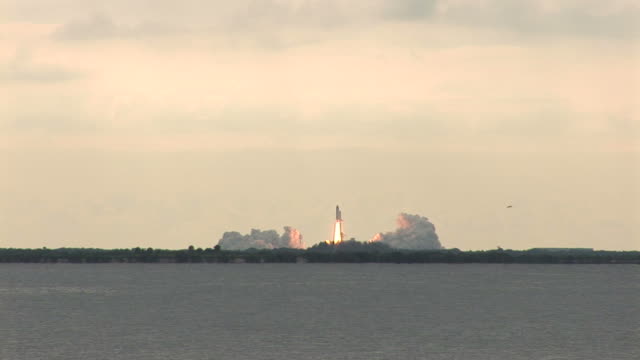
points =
(410, 9)
(541, 17)
(22, 69)
(363, 73)
(99, 26)
(37, 74)
(276, 22)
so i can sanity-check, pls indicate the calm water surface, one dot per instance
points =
(328, 311)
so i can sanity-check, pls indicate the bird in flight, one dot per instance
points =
(509, 206)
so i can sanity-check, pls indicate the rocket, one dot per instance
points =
(338, 213)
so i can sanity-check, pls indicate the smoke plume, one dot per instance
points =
(414, 232)
(292, 238)
(259, 239)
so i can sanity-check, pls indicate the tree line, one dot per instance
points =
(346, 252)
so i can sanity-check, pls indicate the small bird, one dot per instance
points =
(509, 206)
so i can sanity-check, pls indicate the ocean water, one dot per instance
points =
(319, 311)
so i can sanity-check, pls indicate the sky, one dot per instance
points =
(166, 123)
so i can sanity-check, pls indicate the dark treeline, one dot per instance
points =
(347, 252)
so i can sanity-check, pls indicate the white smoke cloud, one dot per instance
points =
(259, 239)
(414, 232)
(292, 238)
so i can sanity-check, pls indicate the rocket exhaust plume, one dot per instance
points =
(414, 232)
(262, 239)
(292, 238)
(338, 231)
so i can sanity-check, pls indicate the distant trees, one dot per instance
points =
(345, 252)
(350, 246)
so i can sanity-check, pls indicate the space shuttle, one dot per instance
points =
(338, 213)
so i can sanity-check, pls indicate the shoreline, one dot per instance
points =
(326, 256)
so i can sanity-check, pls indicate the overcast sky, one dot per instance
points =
(165, 123)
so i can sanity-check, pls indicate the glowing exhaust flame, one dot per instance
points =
(338, 234)
(338, 230)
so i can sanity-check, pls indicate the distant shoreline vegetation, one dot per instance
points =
(346, 252)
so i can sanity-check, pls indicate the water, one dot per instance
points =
(324, 311)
